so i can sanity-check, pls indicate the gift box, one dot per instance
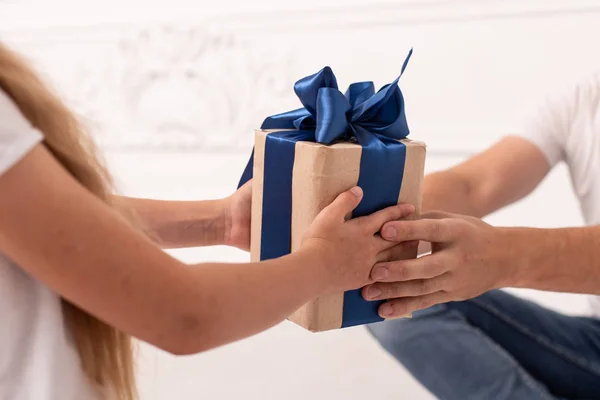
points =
(304, 158)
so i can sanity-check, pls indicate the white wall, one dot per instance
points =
(173, 92)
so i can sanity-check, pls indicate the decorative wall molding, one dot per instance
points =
(174, 88)
(147, 81)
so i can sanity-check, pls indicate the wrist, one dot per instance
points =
(319, 264)
(224, 221)
(520, 255)
(508, 260)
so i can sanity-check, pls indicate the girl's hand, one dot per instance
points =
(350, 248)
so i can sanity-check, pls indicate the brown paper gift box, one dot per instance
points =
(320, 173)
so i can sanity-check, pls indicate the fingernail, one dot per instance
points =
(357, 191)
(389, 232)
(374, 292)
(386, 310)
(380, 273)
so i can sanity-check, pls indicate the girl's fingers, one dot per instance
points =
(375, 221)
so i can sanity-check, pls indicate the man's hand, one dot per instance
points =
(237, 218)
(468, 258)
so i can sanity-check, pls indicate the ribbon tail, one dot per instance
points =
(406, 60)
(248, 171)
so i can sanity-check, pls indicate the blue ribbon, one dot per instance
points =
(375, 120)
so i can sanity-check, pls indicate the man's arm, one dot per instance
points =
(497, 177)
(559, 260)
(471, 257)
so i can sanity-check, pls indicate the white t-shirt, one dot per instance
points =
(567, 128)
(38, 360)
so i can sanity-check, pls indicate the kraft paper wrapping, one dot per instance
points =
(320, 174)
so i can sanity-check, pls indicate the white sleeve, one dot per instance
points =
(17, 135)
(549, 125)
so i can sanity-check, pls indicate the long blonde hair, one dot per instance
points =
(106, 353)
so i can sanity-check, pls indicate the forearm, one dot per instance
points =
(240, 300)
(488, 181)
(563, 260)
(449, 191)
(177, 224)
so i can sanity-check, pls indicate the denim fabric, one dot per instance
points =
(497, 346)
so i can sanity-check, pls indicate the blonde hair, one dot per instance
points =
(106, 353)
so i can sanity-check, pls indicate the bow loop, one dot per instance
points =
(286, 120)
(332, 121)
(383, 113)
(307, 89)
(332, 115)
(360, 92)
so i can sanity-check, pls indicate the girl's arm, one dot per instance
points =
(62, 235)
(176, 224)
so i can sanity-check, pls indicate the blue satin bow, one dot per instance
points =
(376, 120)
(334, 116)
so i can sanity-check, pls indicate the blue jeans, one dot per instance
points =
(497, 346)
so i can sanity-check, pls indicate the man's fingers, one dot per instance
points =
(405, 306)
(375, 221)
(398, 251)
(435, 214)
(393, 290)
(407, 270)
(429, 230)
(343, 205)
